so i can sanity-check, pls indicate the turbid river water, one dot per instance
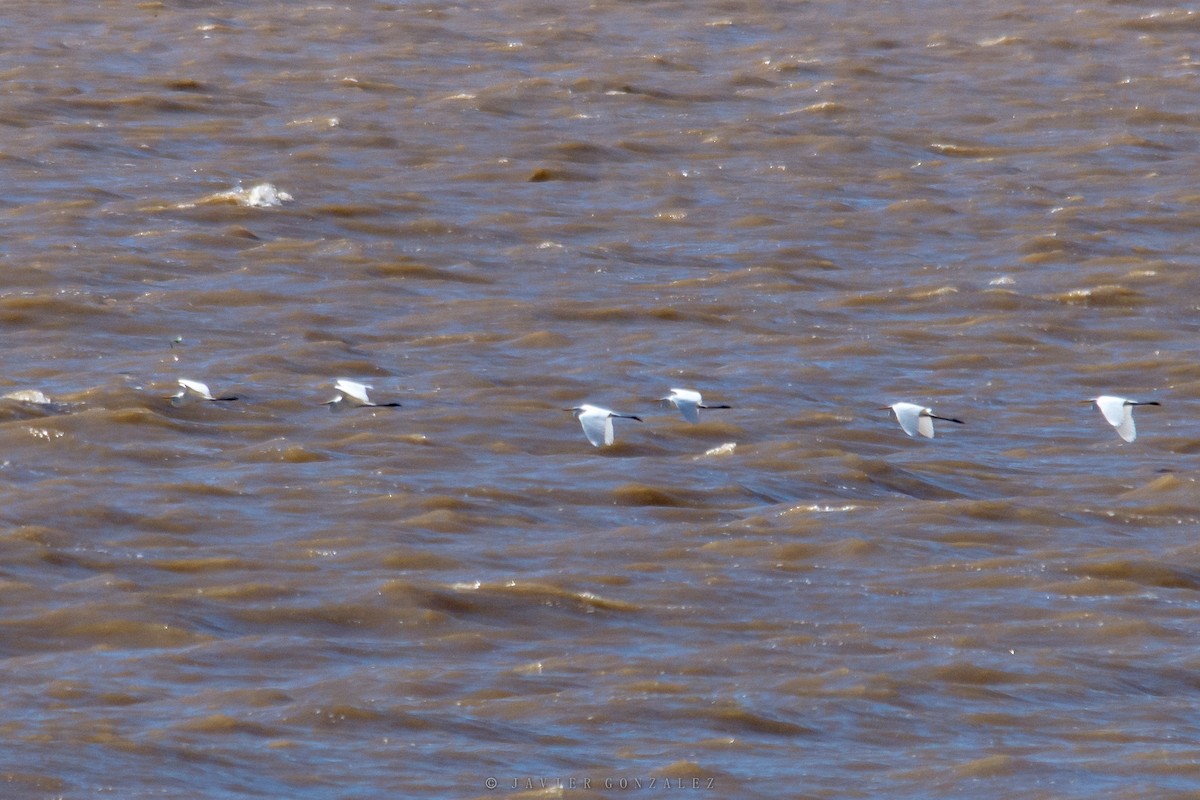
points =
(491, 213)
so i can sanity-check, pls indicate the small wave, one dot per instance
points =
(641, 495)
(33, 402)
(907, 482)
(965, 150)
(27, 396)
(1164, 21)
(493, 598)
(1142, 572)
(720, 450)
(1107, 295)
(745, 720)
(816, 508)
(263, 195)
(999, 40)
(828, 107)
(545, 174)
(224, 724)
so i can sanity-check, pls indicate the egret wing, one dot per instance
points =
(690, 395)
(1126, 429)
(690, 409)
(925, 425)
(1119, 413)
(197, 387)
(1113, 409)
(908, 415)
(598, 428)
(353, 390)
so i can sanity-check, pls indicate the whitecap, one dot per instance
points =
(264, 195)
(27, 396)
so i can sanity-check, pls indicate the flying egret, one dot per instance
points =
(597, 423)
(916, 419)
(1119, 413)
(688, 402)
(190, 390)
(355, 392)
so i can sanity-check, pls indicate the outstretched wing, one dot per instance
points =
(353, 389)
(908, 415)
(690, 409)
(1119, 414)
(925, 424)
(196, 387)
(598, 428)
(1126, 429)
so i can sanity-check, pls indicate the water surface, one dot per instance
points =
(805, 211)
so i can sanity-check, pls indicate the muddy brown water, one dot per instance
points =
(492, 213)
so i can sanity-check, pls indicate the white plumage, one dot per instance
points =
(190, 390)
(915, 419)
(1119, 413)
(689, 402)
(354, 392)
(598, 423)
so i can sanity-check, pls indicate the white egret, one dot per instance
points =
(355, 392)
(1119, 413)
(688, 402)
(190, 390)
(597, 423)
(916, 419)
